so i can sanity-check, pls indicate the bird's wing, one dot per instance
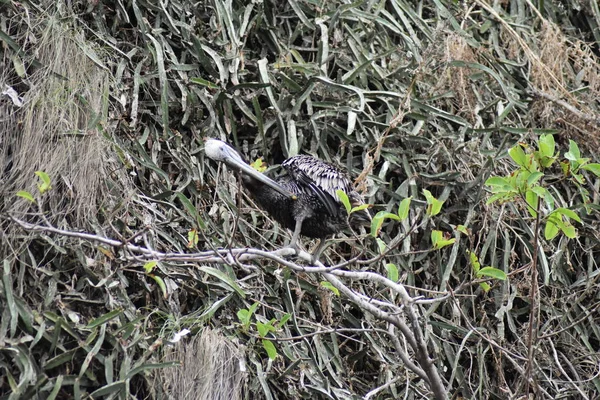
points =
(320, 178)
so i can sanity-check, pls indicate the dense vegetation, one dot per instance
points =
(111, 217)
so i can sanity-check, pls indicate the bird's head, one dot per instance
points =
(221, 151)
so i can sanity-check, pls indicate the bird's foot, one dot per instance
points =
(295, 247)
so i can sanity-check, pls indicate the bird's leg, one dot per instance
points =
(320, 247)
(294, 242)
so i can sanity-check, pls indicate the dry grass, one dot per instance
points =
(212, 368)
(58, 129)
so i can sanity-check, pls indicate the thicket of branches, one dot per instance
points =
(140, 236)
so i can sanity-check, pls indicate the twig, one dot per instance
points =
(413, 334)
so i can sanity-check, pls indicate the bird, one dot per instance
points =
(304, 199)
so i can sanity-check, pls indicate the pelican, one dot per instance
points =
(304, 200)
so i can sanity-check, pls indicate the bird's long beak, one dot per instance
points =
(234, 160)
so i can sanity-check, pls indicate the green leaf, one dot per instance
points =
(497, 181)
(492, 273)
(191, 209)
(45, 185)
(161, 284)
(404, 208)
(593, 168)
(104, 318)
(344, 199)
(149, 266)
(392, 272)
(204, 82)
(569, 214)
(438, 240)
(569, 230)
(26, 195)
(329, 286)
(359, 208)
(518, 155)
(381, 245)
(534, 178)
(192, 238)
(150, 367)
(532, 200)
(485, 286)
(434, 206)
(474, 260)
(259, 165)
(112, 388)
(244, 317)
(573, 154)
(253, 307)
(284, 319)
(376, 224)
(270, 349)
(546, 144)
(263, 329)
(550, 230)
(226, 279)
(462, 229)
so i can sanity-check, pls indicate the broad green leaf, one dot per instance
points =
(376, 224)
(26, 195)
(492, 273)
(551, 230)
(434, 206)
(259, 165)
(270, 349)
(485, 286)
(263, 329)
(404, 208)
(149, 266)
(534, 177)
(518, 155)
(244, 316)
(392, 272)
(462, 229)
(573, 154)
(192, 238)
(329, 286)
(532, 200)
(546, 143)
(438, 240)
(496, 181)
(344, 199)
(500, 196)
(593, 168)
(569, 231)
(568, 213)
(46, 184)
(565, 227)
